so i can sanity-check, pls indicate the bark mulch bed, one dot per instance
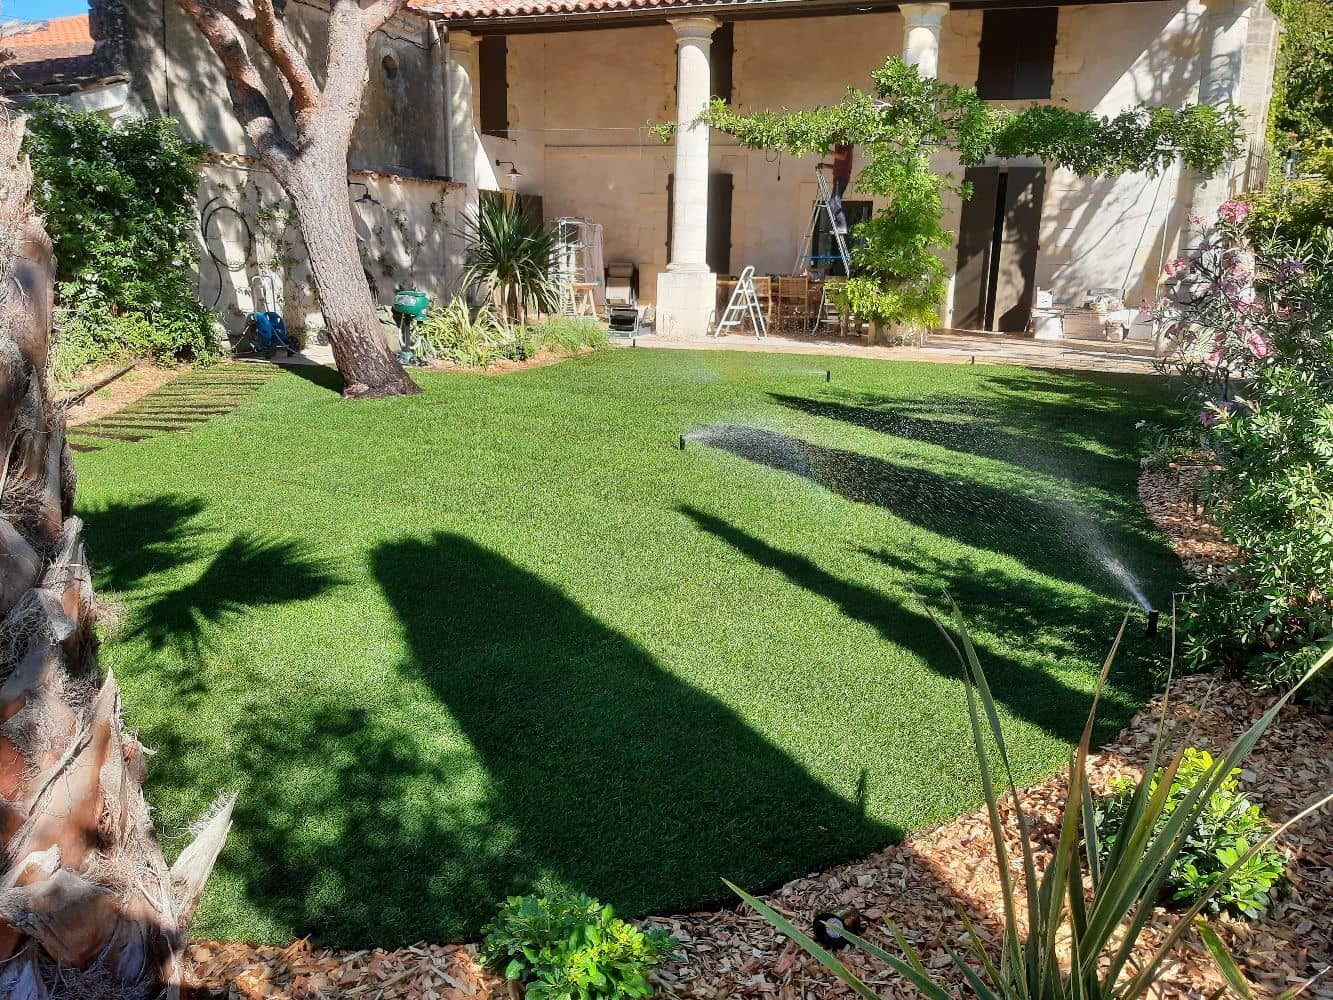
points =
(118, 394)
(918, 885)
(1171, 498)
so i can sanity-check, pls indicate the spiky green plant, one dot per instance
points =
(509, 254)
(1085, 912)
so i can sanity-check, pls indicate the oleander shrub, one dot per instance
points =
(120, 203)
(1251, 321)
(1227, 827)
(568, 946)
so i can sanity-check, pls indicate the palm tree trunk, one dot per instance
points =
(88, 905)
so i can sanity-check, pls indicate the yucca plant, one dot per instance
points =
(1085, 912)
(509, 255)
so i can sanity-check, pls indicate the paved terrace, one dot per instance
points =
(947, 346)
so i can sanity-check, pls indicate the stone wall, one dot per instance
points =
(409, 234)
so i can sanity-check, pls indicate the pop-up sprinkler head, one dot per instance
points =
(830, 924)
(682, 442)
(1152, 622)
(828, 376)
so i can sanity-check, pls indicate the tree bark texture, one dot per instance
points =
(309, 158)
(88, 906)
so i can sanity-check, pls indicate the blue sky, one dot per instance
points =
(34, 10)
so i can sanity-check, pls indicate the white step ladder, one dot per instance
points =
(803, 258)
(743, 305)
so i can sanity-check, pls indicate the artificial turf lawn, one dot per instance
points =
(505, 635)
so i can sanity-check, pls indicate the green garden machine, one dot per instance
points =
(410, 306)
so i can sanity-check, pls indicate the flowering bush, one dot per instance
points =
(1251, 323)
(119, 203)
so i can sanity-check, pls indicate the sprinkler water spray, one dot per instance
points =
(1152, 622)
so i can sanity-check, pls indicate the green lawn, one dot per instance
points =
(506, 635)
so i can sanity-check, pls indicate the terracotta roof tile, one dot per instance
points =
(470, 9)
(58, 38)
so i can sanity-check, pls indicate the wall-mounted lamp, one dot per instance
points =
(366, 197)
(513, 170)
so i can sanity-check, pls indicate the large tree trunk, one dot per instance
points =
(318, 189)
(88, 905)
(309, 157)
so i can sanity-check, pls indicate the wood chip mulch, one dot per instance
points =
(917, 885)
(1171, 497)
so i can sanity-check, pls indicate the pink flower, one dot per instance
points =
(1234, 211)
(1145, 309)
(1178, 267)
(1258, 346)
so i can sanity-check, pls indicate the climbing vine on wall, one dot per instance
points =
(900, 125)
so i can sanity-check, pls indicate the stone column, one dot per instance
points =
(461, 60)
(687, 290)
(1224, 29)
(921, 39)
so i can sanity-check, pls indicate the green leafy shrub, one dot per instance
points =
(120, 204)
(456, 332)
(568, 946)
(509, 258)
(477, 338)
(1253, 363)
(1227, 827)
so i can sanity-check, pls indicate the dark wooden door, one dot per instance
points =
(976, 235)
(718, 252)
(719, 223)
(1015, 280)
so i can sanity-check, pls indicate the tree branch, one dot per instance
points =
(247, 88)
(271, 33)
(378, 12)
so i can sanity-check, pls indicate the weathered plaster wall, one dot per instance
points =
(401, 126)
(578, 100)
(409, 238)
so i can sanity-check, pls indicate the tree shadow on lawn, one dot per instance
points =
(995, 603)
(132, 542)
(578, 761)
(971, 434)
(613, 775)
(1057, 538)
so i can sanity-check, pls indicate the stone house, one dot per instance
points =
(554, 99)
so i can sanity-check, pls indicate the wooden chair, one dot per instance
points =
(793, 307)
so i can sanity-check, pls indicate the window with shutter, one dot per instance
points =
(1017, 53)
(493, 70)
